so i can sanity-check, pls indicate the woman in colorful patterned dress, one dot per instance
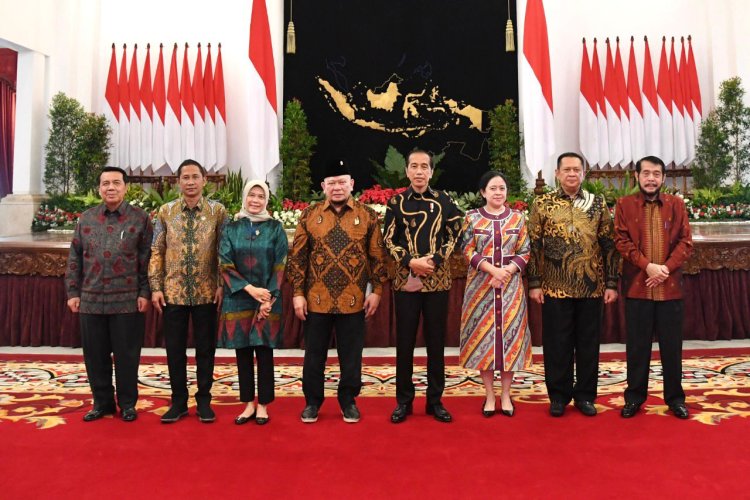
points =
(494, 325)
(252, 254)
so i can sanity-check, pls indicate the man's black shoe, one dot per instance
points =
(206, 414)
(173, 415)
(309, 414)
(679, 410)
(97, 413)
(586, 407)
(629, 410)
(129, 414)
(557, 408)
(400, 413)
(351, 414)
(439, 412)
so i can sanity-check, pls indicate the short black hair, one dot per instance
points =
(114, 169)
(651, 159)
(488, 176)
(190, 162)
(569, 154)
(419, 151)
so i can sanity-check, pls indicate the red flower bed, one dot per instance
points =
(288, 204)
(379, 195)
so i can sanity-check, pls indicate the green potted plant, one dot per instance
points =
(296, 149)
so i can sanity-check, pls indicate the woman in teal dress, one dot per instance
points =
(252, 254)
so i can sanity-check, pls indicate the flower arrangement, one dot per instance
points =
(732, 211)
(49, 217)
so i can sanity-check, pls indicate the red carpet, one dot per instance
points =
(529, 456)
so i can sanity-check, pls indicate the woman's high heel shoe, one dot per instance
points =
(487, 413)
(509, 413)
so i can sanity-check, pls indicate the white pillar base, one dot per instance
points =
(17, 211)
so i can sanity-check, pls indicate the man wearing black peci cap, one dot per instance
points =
(337, 250)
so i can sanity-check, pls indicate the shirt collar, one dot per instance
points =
(118, 211)
(562, 194)
(349, 203)
(429, 193)
(642, 199)
(198, 206)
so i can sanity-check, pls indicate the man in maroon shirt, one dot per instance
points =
(653, 235)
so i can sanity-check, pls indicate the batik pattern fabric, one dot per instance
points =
(573, 252)
(185, 252)
(421, 224)
(251, 253)
(335, 254)
(494, 321)
(108, 259)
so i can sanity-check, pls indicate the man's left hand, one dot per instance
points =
(371, 304)
(142, 304)
(610, 296)
(218, 298)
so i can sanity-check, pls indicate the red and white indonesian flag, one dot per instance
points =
(135, 112)
(537, 119)
(664, 95)
(160, 109)
(188, 110)
(612, 101)
(172, 118)
(263, 124)
(624, 111)
(147, 112)
(588, 138)
(199, 102)
(695, 89)
(687, 105)
(678, 119)
(601, 118)
(651, 121)
(208, 92)
(221, 114)
(124, 128)
(635, 105)
(112, 110)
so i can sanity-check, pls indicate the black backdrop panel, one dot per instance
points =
(404, 73)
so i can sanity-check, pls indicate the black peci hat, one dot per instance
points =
(337, 167)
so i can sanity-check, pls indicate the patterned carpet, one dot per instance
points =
(48, 390)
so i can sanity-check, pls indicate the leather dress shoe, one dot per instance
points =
(557, 408)
(679, 410)
(439, 412)
(240, 420)
(173, 415)
(129, 415)
(487, 413)
(400, 413)
(629, 410)
(509, 413)
(97, 413)
(586, 407)
(206, 414)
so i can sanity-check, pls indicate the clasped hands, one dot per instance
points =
(500, 276)
(657, 274)
(422, 266)
(264, 297)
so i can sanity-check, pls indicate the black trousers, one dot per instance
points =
(570, 330)
(176, 320)
(644, 317)
(350, 340)
(103, 335)
(246, 375)
(433, 308)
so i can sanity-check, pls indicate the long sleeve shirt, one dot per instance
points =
(421, 224)
(573, 251)
(184, 253)
(655, 232)
(334, 255)
(108, 259)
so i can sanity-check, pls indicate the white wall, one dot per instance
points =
(720, 44)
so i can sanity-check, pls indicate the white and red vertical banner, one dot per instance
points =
(210, 117)
(635, 105)
(687, 104)
(263, 123)
(535, 92)
(221, 114)
(124, 127)
(173, 118)
(664, 95)
(147, 112)
(160, 108)
(135, 112)
(695, 89)
(588, 138)
(199, 103)
(187, 109)
(624, 111)
(651, 120)
(112, 110)
(678, 119)
(601, 109)
(612, 101)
